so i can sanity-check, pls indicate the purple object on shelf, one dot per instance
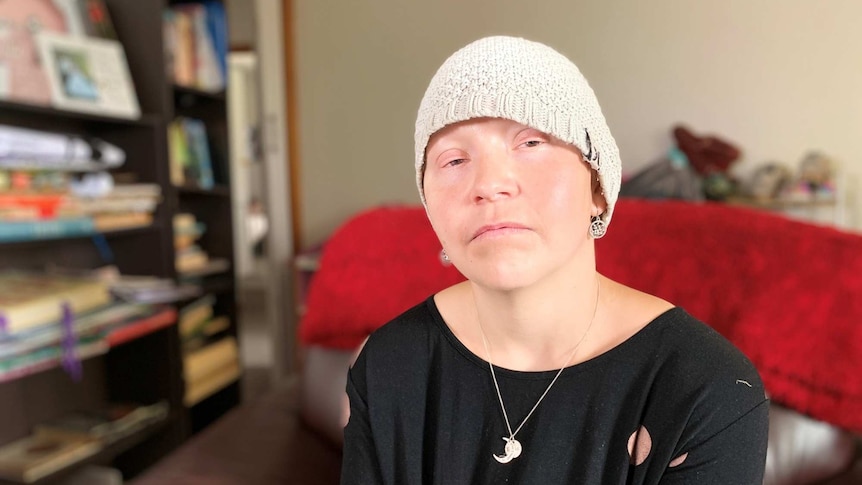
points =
(69, 360)
(4, 324)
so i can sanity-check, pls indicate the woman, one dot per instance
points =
(537, 369)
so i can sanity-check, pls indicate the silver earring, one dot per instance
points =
(598, 228)
(444, 258)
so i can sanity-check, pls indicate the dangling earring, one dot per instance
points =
(444, 258)
(598, 228)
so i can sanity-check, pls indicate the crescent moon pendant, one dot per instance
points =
(513, 450)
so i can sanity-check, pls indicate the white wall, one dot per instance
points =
(777, 77)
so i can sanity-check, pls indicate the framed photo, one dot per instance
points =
(88, 74)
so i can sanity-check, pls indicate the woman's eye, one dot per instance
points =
(453, 163)
(532, 143)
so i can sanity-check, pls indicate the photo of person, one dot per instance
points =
(75, 77)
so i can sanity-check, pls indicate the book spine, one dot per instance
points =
(52, 360)
(49, 229)
(139, 328)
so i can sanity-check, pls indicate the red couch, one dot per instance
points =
(787, 293)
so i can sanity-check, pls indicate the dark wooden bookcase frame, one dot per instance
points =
(149, 369)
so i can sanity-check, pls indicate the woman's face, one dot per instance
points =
(509, 204)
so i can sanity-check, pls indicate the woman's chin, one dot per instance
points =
(502, 276)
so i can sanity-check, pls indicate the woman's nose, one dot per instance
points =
(495, 177)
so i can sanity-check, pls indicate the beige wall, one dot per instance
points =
(779, 77)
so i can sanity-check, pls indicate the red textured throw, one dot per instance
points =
(787, 293)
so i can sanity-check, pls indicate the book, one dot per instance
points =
(183, 47)
(178, 153)
(122, 220)
(205, 333)
(198, 146)
(89, 323)
(150, 289)
(216, 22)
(48, 358)
(44, 205)
(214, 382)
(109, 424)
(28, 149)
(156, 295)
(131, 330)
(39, 455)
(201, 363)
(195, 314)
(30, 300)
(16, 231)
(195, 40)
(213, 266)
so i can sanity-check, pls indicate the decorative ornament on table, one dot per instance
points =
(815, 180)
(767, 181)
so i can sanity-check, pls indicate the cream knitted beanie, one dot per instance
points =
(526, 82)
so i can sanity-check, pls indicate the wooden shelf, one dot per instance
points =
(180, 90)
(128, 372)
(781, 204)
(146, 120)
(217, 191)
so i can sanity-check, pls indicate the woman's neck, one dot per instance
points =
(537, 327)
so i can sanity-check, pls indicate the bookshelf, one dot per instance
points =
(148, 368)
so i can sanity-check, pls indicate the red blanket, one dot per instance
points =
(788, 294)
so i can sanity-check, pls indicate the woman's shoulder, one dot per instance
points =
(696, 372)
(403, 336)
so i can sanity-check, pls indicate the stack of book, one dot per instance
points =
(31, 214)
(195, 37)
(123, 207)
(209, 369)
(69, 439)
(48, 320)
(211, 357)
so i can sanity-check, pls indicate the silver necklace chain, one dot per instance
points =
(513, 447)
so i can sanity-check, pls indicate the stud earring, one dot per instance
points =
(598, 228)
(444, 258)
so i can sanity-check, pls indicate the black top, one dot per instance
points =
(675, 403)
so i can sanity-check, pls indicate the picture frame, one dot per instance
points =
(88, 74)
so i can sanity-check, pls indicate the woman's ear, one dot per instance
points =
(599, 202)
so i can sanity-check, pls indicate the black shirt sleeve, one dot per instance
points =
(359, 460)
(735, 455)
